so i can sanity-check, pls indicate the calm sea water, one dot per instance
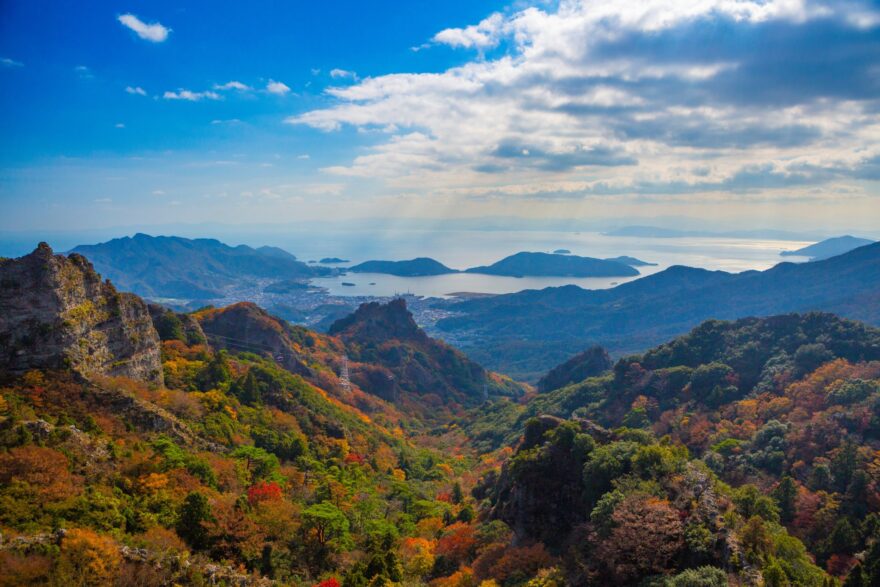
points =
(461, 249)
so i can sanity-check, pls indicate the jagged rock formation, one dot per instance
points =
(399, 361)
(56, 312)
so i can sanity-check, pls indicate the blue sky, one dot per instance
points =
(724, 111)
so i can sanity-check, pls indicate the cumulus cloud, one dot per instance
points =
(136, 90)
(625, 97)
(484, 35)
(278, 88)
(232, 85)
(153, 32)
(7, 62)
(190, 96)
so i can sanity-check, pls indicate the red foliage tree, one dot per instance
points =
(263, 491)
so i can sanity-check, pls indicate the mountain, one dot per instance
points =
(56, 312)
(402, 364)
(546, 264)
(412, 268)
(590, 363)
(526, 333)
(234, 472)
(175, 267)
(782, 408)
(829, 248)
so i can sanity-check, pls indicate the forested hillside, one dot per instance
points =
(743, 453)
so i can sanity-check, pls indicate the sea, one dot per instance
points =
(460, 249)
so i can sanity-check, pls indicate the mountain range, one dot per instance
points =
(525, 333)
(143, 446)
(175, 267)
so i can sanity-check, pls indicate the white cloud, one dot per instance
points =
(120, 125)
(190, 96)
(303, 157)
(7, 62)
(136, 90)
(103, 200)
(279, 88)
(158, 192)
(227, 121)
(232, 85)
(566, 105)
(343, 74)
(154, 32)
(484, 35)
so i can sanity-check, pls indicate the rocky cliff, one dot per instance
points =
(56, 312)
(400, 363)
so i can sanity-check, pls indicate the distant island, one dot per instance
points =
(420, 267)
(562, 252)
(632, 261)
(527, 264)
(829, 248)
(333, 260)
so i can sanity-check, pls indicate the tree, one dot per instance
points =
(647, 535)
(192, 517)
(417, 555)
(325, 530)
(785, 495)
(699, 577)
(756, 539)
(216, 373)
(87, 559)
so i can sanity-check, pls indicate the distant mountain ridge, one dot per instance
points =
(829, 248)
(176, 267)
(526, 333)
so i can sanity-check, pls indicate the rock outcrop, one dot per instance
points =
(56, 312)
(397, 361)
(245, 327)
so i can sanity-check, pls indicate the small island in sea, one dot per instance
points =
(333, 261)
(419, 267)
(527, 264)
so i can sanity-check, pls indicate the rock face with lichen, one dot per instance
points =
(56, 312)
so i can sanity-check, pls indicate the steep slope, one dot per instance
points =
(175, 267)
(56, 312)
(401, 363)
(532, 330)
(784, 409)
(236, 471)
(545, 264)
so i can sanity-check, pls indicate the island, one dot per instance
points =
(562, 252)
(632, 261)
(527, 264)
(419, 267)
(828, 248)
(333, 261)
